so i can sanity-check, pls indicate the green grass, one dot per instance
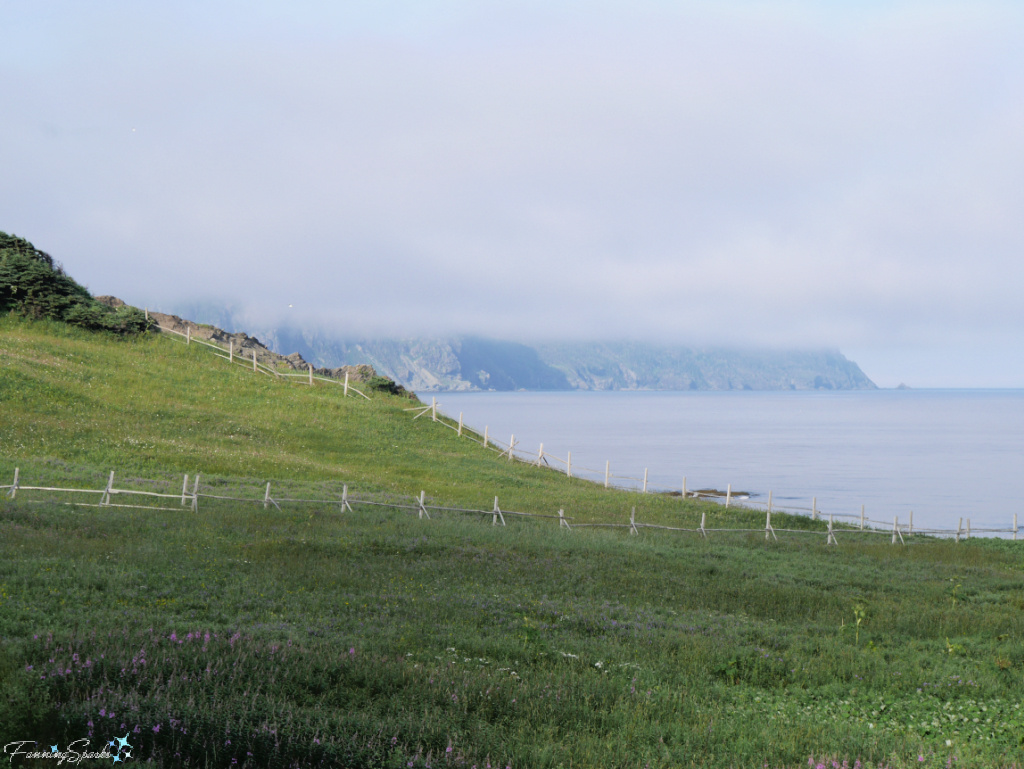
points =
(311, 637)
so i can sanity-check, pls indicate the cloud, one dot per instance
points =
(743, 173)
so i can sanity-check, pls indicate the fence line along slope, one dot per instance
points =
(150, 405)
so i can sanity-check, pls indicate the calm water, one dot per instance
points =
(943, 454)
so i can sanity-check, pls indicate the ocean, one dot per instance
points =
(945, 456)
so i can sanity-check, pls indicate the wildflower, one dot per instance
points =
(156, 729)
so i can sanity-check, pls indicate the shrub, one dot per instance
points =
(34, 285)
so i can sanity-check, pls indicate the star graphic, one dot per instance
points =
(112, 743)
(127, 754)
(116, 759)
(53, 748)
(123, 741)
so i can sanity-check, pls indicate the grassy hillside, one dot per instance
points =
(152, 405)
(240, 636)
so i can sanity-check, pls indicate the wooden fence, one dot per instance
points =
(191, 494)
(238, 358)
(540, 458)
(513, 451)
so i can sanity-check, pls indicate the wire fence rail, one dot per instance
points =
(191, 493)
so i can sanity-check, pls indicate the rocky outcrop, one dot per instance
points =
(244, 346)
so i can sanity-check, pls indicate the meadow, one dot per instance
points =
(306, 636)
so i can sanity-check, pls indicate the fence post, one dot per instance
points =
(147, 315)
(346, 384)
(607, 472)
(231, 351)
(188, 335)
(184, 490)
(702, 532)
(14, 492)
(310, 374)
(684, 487)
(540, 454)
(433, 409)
(1014, 515)
(497, 514)
(105, 499)
(460, 426)
(254, 360)
(728, 495)
(561, 520)
(485, 436)
(968, 528)
(831, 535)
(769, 500)
(632, 522)
(768, 530)
(423, 507)
(344, 499)
(511, 445)
(266, 497)
(959, 526)
(645, 480)
(896, 530)
(861, 517)
(195, 492)
(568, 463)
(814, 508)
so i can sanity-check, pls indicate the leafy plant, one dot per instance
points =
(34, 285)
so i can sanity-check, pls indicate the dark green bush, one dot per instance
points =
(34, 285)
(383, 384)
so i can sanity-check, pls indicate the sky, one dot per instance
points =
(785, 174)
